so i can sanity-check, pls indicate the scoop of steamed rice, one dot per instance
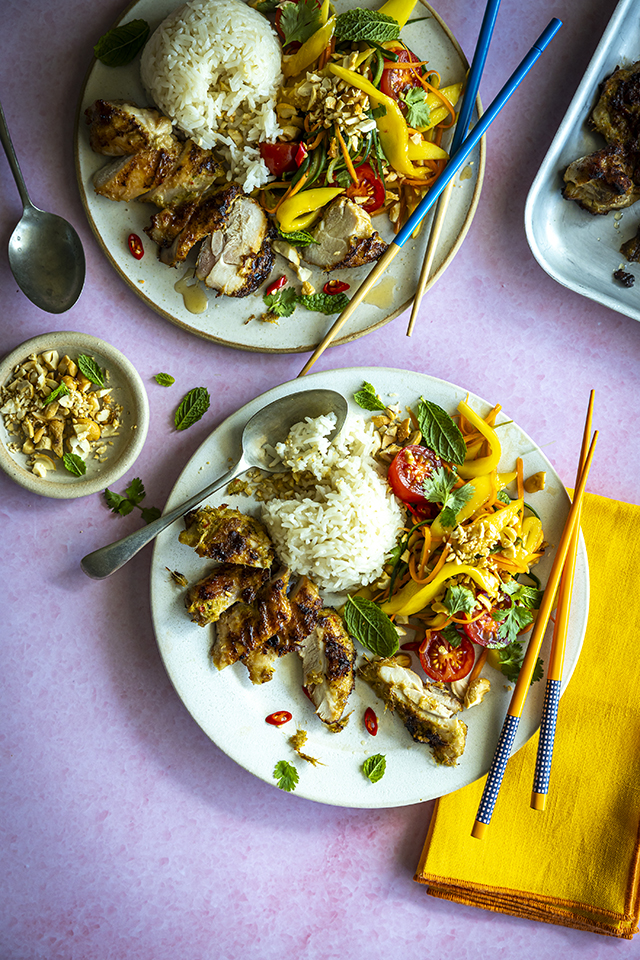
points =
(214, 68)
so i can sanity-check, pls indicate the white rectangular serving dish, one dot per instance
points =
(579, 250)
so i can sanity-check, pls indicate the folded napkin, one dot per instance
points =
(577, 863)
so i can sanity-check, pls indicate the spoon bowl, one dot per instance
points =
(45, 252)
(269, 425)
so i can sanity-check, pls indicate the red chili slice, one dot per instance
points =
(301, 153)
(332, 287)
(135, 246)
(276, 285)
(278, 718)
(370, 721)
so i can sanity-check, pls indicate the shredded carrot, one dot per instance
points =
(291, 192)
(345, 154)
(478, 665)
(491, 416)
(439, 565)
(318, 140)
(520, 477)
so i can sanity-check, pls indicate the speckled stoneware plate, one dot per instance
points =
(123, 449)
(579, 250)
(232, 711)
(225, 319)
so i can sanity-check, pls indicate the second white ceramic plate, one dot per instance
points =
(232, 711)
(225, 319)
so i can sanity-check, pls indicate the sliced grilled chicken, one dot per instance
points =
(345, 237)
(224, 534)
(118, 128)
(631, 248)
(177, 229)
(261, 663)
(237, 256)
(328, 659)
(218, 591)
(306, 604)
(617, 113)
(602, 181)
(127, 178)
(427, 710)
(194, 171)
(248, 626)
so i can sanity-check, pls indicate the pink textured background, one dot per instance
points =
(125, 832)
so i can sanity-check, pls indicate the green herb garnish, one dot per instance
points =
(511, 658)
(286, 775)
(418, 110)
(370, 626)
(298, 238)
(282, 303)
(121, 45)
(164, 379)
(62, 390)
(74, 464)
(90, 369)
(324, 302)
(440, 432)
(367, 398)
(123, 504)
(374, 767)
(369, 25)
(438, 488)
(459, 599)
(298, 21)
(192, 408)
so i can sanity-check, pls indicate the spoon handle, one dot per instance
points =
(106, 560)
(5, 139)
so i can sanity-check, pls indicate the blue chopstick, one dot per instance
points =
(475, 74)
(485, 121)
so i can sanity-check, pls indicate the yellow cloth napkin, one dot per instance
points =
(576, 863)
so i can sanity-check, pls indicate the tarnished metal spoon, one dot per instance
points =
(269, 425)
(45, 252)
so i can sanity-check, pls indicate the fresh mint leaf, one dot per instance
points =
(62, 390)
(459, 599)
(90, 369)
(192, 408)
(74, 464)
(265, 6)
(367, 398)
(374, 767)
(439, 432)
(371, 26)
(282, 303)
(324, 302)
(298, 238)
(164, 379)
(370, 626)
(121, 45)
(286, 775)
(418, 111)
(298, 21)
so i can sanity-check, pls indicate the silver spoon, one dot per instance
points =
(269, 425)
(45, 252)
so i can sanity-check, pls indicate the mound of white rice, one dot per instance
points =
(214, 68)
(338, 529)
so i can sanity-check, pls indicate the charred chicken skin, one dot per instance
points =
(248, 626)
(328, 662)
(229, 583)
(224, 534)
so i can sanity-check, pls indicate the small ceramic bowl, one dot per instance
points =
(121, 450)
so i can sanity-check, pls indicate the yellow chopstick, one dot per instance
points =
(512, 719)
(556, 658)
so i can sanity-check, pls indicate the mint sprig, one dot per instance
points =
(164, 379)
(371, 26)
(367, 398)
(439, 432)
(74, 464)
(88, 366)
(370, 626)
(192, 408)
(121, 45)
(374, 767)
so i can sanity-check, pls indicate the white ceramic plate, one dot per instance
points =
(225, 319)
(232, 711)
(579, 250)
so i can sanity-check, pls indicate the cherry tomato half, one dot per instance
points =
(280, 157)
(278, 718)
(369, 185)
(135, 246)
(484, 629)
(408, 471)
(445, 663)
(394, 82)
(370, 721)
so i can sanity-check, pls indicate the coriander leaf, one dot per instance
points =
(452, 634)
(503, 497)
(367, 623)
(135, 491)
(511, 658)
(439, 432)
(192, 408)
(512, 621)
(282, 303)
(529, 597)
(378, 112)
(368, 25)
(459, 599)
(418, 111)
(367, 398)
(90, 369)
(149, 514)
(164, 379)
(298, 21)
(265, 6)
(118, 503)
(121, 45)
(438, 488)
(374, 767)
(74, 464)
(298, 238)
(324, 302)
(60, 391)
(286, 775)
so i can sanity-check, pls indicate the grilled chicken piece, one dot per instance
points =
(261, 663)
(617, 113)
(345, 237)
(218, 591)
(127, 178)
(237, 257)
(177, 229)
(194, 172)
(221, 533)
(631, 248)
(603, 181)
(246, 627)
(306, 604)
(328, 659)
(427, 710)
(118, 128)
